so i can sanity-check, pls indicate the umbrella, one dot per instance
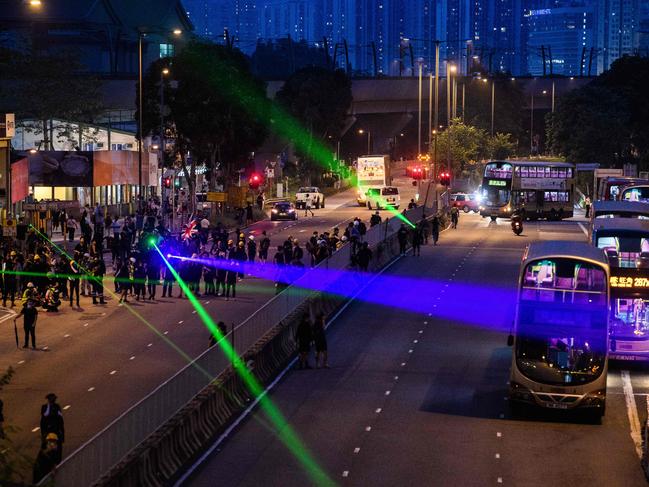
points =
(16, 333)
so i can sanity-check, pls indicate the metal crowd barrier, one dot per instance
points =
(105, 449)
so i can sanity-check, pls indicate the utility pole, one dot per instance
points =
(436, 116)
(419, 114)
(493, 104)
(430, 110)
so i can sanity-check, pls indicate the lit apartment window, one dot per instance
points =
(166, 50)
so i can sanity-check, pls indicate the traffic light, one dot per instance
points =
(167, 182)
(255, 181)
(445, 179)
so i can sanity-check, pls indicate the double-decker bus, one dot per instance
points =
(373, 172)
(537, 189)
(635, 192)
(611, 187)
(626, 244)
(560, 336)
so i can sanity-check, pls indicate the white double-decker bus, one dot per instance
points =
(626, 244)
(560, 335)
(536, 189)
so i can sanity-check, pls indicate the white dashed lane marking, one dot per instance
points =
(34, 430)
(113, 372)
(66, 407)
(346, 473)
(90, 389)
(132, 357)
(368, 428)
(357, 449)
(150, 345)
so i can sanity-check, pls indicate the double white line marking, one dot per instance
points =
(632, 412)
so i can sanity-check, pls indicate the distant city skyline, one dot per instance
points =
(537, 37)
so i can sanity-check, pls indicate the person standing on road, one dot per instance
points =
(375, 219)
(435, 229)
(416, 241)
(52, 422)
(73, 279)
(252, 248)
(364, 257)
(46, 460)
(30, 314)
(412, 204)
(264, 245)
(304, 337)
(152, 278)
(10, 282)
(249, 214)
(402, 237)
(167, 283)
(98, 270)
(587, 206)
(260, 201)
(320, 340)
(71, 226)
(455, 217)
(307, 207)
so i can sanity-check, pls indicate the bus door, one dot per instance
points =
(540, 203)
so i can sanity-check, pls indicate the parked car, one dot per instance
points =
(378, 198)
(283, 210)
(312, 195)
(465, 202)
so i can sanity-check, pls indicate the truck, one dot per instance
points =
(311, 196)
(372, 172)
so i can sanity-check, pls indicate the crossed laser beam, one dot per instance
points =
(284, 431)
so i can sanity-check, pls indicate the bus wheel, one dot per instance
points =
(553, 215)
(465, 209)
(493, 218)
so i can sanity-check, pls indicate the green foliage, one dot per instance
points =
(215, 107)
(49, 86)
(605, 121)
(467, 147)
(13, 463)
(500, 146)
(319, 99)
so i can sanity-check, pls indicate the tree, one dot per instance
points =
(216, 110)
(605, 121)
(500, 146)
(44, 87)
(467, 147)
(319, 99)
(591, 124)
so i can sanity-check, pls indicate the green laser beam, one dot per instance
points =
(285, 432)
(169, 342)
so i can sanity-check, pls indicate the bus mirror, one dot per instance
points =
(510, 340)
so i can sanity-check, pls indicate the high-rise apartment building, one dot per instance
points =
(618, 29)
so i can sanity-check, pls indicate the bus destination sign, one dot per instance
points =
(629, 282)
(495, 182)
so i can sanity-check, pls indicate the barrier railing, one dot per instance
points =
(104, 450)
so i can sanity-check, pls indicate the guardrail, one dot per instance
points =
(104, 450)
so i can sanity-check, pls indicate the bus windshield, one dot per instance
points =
(562, 322)
(500, 170)
(640, 193)
(628, 249)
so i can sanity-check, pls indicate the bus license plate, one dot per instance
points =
(557, 405)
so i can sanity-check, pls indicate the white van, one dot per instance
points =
(378, 198)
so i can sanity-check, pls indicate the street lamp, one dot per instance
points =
(493, 102)
(164, 72)
(369, 137)
(35, 3)
(141, 33)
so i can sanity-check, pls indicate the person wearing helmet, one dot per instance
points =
(52, 424)
(47, 458)
(252, 248)
(31, 293)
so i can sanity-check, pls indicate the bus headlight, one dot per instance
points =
(508, 208)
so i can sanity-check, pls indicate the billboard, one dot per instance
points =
(121, 167)
(60, 168)
(19, 180)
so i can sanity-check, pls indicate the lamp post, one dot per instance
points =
(141, 33)
(450, 69)
(493, 102)
(369, 137)
(164, 72)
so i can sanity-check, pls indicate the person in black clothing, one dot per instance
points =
(152, 278)
(412, 204)
(52, 422)
(298, 253)
(30, 314)
(375, 219)
(9, 280)
(139, 276)
(167, 283)
(264, 245)
(252, 248)
(97, 272)
(416, 241)
(435, 229)
(364, 257)
(288, 250)
(231, 283)
(221, 275)
(320, 341)
(46, 460)
(304, 337)
(402, 237)
(249, 214)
